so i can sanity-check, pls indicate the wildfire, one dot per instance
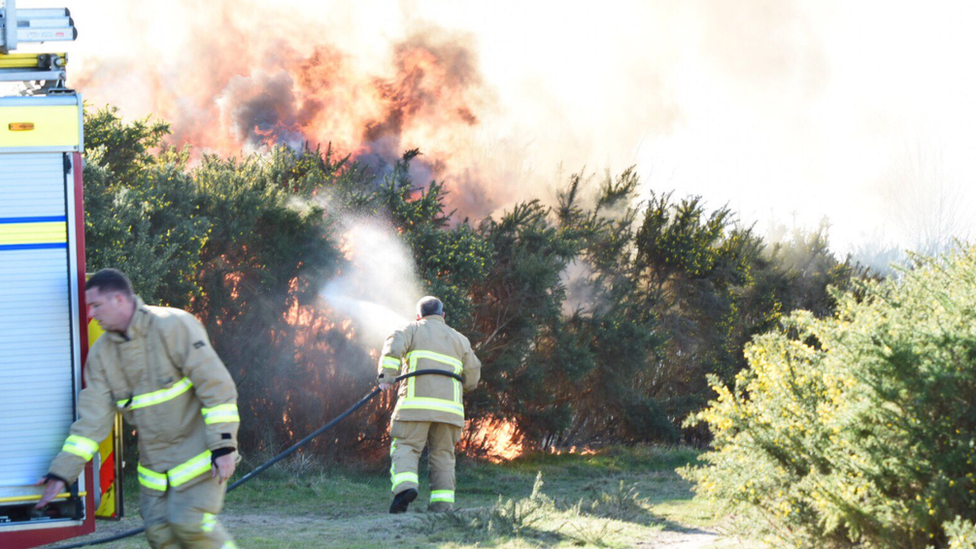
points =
(576, 450)
(273, 86)
(496, 439)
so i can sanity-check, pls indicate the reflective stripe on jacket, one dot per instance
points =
(430, 344)
(168, 382)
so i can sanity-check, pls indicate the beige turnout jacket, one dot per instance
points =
(168, 382)
(429, 344)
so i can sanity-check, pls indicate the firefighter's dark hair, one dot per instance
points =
(430, 305)
(110, 280)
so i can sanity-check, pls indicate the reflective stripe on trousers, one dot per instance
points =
(392, 463)
(151, 479)
(177, 476)
(398, 479)
(209, 522)
(442, 495)
(404, 477)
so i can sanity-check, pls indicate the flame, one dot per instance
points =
(276, 88)
(572, 450)
(233, 281)
(285, 421)
(497, 440)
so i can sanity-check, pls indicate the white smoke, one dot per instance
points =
(774, 107)
(378, 288)
(581, 293)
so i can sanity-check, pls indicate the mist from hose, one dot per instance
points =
(377, 289)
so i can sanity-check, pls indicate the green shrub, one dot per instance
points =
(962, 534)
(857, 429)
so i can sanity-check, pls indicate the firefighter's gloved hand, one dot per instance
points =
(386, 386)
(52, 487)
(223, 467)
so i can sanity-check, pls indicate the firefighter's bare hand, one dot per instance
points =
(223, 467)
(386, 386)
(52, 488)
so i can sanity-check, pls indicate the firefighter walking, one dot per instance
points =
(157, 367)
(429, 409)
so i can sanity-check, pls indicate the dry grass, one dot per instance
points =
(620, 498)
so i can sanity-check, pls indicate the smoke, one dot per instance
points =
(237, 77)
(777, 108)
(378, 288)
(581, 292)
(260, 110)
(927, 205)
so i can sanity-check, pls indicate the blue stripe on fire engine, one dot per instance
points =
(44, 219)
(16, 247)
(33, 233)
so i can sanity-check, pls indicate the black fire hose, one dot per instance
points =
(264, 466)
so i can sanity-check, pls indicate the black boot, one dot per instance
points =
(402, 500)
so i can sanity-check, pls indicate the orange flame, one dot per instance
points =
(270, 87)
(233, 281)
(497, 440)
(573, 450)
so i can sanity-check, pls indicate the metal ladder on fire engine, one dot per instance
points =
(36, 25)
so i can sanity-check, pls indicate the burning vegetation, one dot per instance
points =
(311, 223)
(299, 263)
(307, 93)
(303, 222)
(493, 439)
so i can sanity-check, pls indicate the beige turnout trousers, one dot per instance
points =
(185, 519)
(408, 441)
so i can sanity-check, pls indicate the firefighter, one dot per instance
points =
(429, 410)
(156, 366)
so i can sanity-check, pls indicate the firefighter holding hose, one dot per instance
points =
(429, 410)
(156, 366)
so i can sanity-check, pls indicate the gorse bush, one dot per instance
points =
(597, 317)
(859, 428)
(962, 534)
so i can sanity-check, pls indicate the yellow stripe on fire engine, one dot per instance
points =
(16, 499)
(52, 232)
(26, 60)
(54, 126)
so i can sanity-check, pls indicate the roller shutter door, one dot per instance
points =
(37, 358)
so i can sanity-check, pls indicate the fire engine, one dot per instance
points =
(44, 330)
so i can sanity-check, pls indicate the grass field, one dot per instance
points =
(619, 497)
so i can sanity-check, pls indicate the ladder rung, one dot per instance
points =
(41, 13)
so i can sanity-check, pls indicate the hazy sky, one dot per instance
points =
(862, 112)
